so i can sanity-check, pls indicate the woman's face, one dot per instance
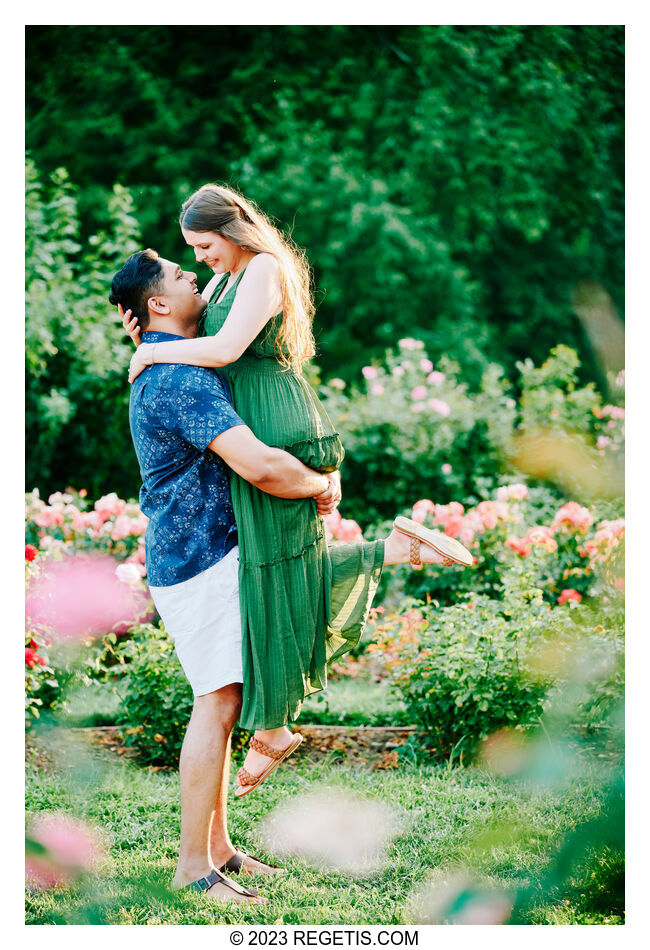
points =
(210, 248)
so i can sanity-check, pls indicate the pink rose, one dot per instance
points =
(408, 343)
(453, 525)
(436, 378)
(573, 515)
(72, 847)
(420, 392)
(519, 546)
(426, 366)
(542, 536)
(109, 505)
(614, 412)
(398, 371)
(439, 406)
(377, 389)
(421, 509)
(466, 535)
(487, 512)
(517, 491)
(369, 372)
(337, 383)
(446, 468)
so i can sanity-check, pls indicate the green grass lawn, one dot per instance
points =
(443, 814)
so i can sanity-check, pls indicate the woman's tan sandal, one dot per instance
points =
(251, 782)
(449, 548)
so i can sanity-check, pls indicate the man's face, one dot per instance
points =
(181, 294)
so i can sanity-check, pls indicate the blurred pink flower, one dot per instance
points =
(436, 378)
(487, 512)
(109, 505)
(426, 366)
(408, 343)
(517, 491)
(446, 468)
(49, 518)
(466, 534)
(614, 412)
(59, 498)
(81, 596)
(603, 441)
(573, 515)
(439, 406)
(370, 372)
(418, 406)
(542, 536)
(128, 573)
(398, 370)
(420, 392)
(454, 525)
(341, 530)
(569, 594)
(72, 848)
(519, 545)
(377, 389)
(421, 509)
(337, 383)
(121, 528)
(442, 512)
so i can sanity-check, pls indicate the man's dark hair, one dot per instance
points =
(136, 282)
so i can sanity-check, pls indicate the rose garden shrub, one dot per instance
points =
(414, 430)
(503, 531)
(474, 668)
(156, 697)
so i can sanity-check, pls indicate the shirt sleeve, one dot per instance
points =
(193, 403)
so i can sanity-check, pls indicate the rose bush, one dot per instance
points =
(470, 669)
(65, 524)
(84, 573)
(412, 430)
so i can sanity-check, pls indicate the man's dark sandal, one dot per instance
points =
(214, 877)
(234, 865)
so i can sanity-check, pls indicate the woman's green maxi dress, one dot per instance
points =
(302, 603)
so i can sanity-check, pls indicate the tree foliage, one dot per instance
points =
(77, 357)
(448, 182)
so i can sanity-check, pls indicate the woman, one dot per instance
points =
(302, 603)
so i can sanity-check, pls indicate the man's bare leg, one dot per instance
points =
(202, 761)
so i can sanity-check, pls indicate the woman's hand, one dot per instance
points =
(142, 358)
(130, 324)
(328, 501)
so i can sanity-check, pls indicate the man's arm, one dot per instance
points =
(269, 469)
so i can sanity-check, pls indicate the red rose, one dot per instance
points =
(32, 658)
(30, 552)
(569, 594)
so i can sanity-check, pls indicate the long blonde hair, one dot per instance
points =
(225, 212)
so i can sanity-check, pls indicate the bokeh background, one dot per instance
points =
(452, 184)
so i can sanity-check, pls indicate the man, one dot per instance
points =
(186, 436)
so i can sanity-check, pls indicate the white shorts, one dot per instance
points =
(202, 617)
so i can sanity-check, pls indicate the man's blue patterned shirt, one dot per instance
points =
(175, 411)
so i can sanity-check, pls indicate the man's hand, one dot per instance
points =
(328, 501)
(130, 324)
